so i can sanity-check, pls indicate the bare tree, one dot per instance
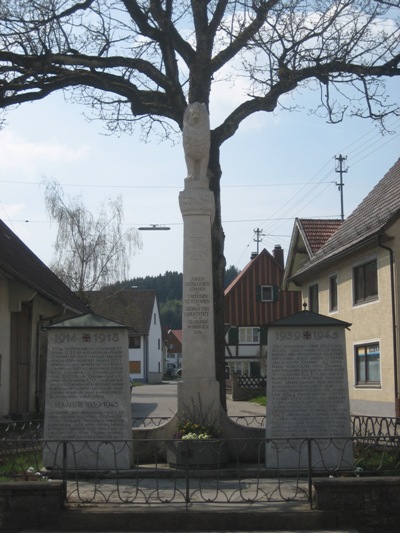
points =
(89, 251)
(142, 61)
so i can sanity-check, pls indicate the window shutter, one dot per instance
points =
(258, 293)
(233, 336)
(275, 293)
(263, 336)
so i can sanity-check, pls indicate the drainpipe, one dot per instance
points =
(394, 327)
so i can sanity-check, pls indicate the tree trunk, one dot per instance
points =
(218, 266)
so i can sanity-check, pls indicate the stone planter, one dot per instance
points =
(208, 453)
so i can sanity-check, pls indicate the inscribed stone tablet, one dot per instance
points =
(308, 395)
(87, 397)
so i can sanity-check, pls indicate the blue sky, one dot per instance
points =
(278, 166)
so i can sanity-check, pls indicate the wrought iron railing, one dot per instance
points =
(280, 469)
(362, 425)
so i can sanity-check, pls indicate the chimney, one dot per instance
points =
(253, 255)
(277, 254)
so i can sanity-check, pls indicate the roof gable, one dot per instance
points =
(264, 267)
(19, 262)
(316, 232)
(379, 209)
(308, 236)
(132, 307)
(241, 306)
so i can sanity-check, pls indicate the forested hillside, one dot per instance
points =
(169, 293)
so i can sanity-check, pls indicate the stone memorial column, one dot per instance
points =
(198, 208)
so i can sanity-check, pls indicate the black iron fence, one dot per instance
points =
(362, 425)
(191, 472)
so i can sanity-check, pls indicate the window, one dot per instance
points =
(365, 280)
(134, 367)
(368, 364)
(249, 335)
(313, 298)
(134, 342)
(267, 293)
(155, 319)
(333, 294)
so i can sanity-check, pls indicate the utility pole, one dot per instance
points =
(341, 169)
(258, 232)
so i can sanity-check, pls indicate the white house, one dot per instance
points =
(138, 310)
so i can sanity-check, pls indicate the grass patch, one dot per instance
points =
(261, 400)
(13, 466)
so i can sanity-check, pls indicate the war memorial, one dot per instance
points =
(243, 478)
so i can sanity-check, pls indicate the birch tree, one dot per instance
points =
(90, 250)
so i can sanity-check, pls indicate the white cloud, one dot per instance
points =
(19, 153)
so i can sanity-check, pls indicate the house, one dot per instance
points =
(31, 297)
(354, 276)
(174, 350)
(139, 311)
(252, 300)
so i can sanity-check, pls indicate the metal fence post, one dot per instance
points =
(309, 459)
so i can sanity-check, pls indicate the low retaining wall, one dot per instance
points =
(30, 503)
(362, 501)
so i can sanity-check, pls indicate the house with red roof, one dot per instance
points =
(173, 342)
(138, 310)
(253, 300)
(352, 273)
(31, 298)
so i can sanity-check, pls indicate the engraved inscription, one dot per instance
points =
(197, 304)
(307, 392)
(86, 386)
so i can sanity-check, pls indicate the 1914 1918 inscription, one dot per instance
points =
(308, 393)
(87, 396)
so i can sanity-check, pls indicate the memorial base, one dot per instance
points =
(211, 453)
(319, 454)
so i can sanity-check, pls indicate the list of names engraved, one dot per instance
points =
(86, 386)
(307, 392)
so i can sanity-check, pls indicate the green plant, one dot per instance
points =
(197, 422)
(261, 400)
(19, 465)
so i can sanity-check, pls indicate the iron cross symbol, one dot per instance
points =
(306, 335)
(86, 337)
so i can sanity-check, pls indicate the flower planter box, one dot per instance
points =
(207, 453)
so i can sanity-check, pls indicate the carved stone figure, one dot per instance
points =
(196, 143)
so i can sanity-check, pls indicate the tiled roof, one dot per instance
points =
(177, 333)
(18, 261)
(132, 307)
(258, 262)
(318, 231)
(241, 305)
(376, 212)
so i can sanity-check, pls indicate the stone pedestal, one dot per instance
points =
(198, 362)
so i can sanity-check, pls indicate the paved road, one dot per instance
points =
(161, 401)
